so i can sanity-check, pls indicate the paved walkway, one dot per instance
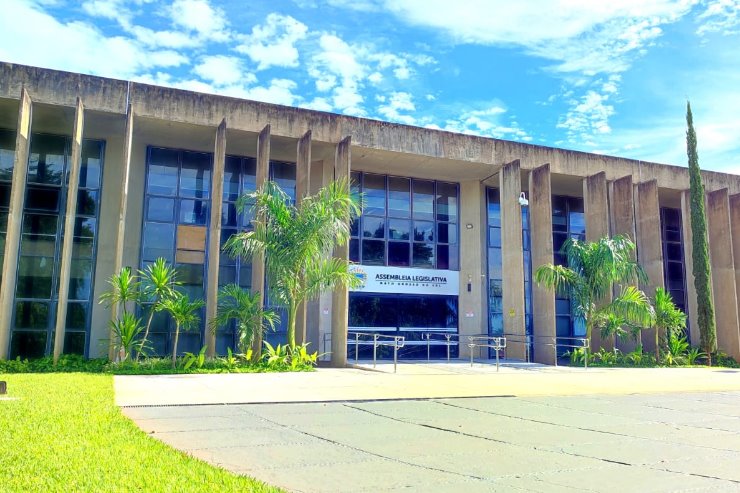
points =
(550, 437)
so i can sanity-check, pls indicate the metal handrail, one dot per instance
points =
(525, 339)
(496, 343)
(380, 340)
(447, 341)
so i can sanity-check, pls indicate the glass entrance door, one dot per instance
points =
(405, 315)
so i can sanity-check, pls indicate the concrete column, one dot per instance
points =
(472, 258)
(723, 272)
(649, 246)
(15, 219)
(735, 226)
(319, 311)
(303, 188)
(540, 230)
(596, 208)
(512, 257)
(340, 297)
(122, 211)
(622, 222)
(75, 162)
(214, 235)
(258, 260)
(688, 258)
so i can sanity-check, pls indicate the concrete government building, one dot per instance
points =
(132, 172)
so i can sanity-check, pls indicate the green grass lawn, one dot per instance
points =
(64, 433)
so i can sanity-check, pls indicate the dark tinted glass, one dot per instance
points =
(373, 227)
(46, 161)
(31, 315)
(195, 175)
(160, 209)
(423, 231)
(399, 197)
(74, 343)
(423, 199)
(373, 190)
(35, 277)
(92, 157)
(423, 255)
(194, 212)
(87, 202)
(399, 254)
(373, 252)
(162, 172)
(232, 169)
(399, 229)
(42, 199)
(28, 344)
(446, 201)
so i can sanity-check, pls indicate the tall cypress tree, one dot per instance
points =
(700, 253)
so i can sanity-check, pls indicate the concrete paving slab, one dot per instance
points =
(572, 441)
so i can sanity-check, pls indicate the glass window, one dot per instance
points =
(232, 173)
(423, 199)
(284, 174)
(31, 315)
(35, 277)
(373, 189)
(158, 241)
(423, 255)
(194, 212)
(160, 209)
(80, 280)
(423, 231)
(92, 160)
(162, 172)
(398, 229)
(373, 227)
(354, 250)
(446, 202)
(42, 198)
(398, 254)
(195, 175)
(77, 316)
(447, 233)
(373, 252)
(399, 197)
(28, 344)
(87, 202)
(7, 155)
(47, 159)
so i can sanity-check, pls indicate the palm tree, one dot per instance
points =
(297, 242)
(124, 289)
(587, 279)
(185, 314)
(158, 282)
(669, 319)
(245, 307)
(126, 331)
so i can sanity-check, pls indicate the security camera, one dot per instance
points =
(523, 200)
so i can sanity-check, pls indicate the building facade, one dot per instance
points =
(136, 172)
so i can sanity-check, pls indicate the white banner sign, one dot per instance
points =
(403, 280)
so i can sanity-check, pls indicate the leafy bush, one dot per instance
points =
(190, 359)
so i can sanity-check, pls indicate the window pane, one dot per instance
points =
(398, 254)
(284, 175)
(672, 219)
(92, 156)
(28, 344)
(194, 212)
(82, 247)
(228, 215)
(245, 275)
(373, 189)
(7, 155)
(42, 199)
(74, 343)
(577, 222)
(34, 277)
(354, 250)
(195, 175)
(354, 227)
(494, 207)
(77, 316)
(398, 229)
(423, 231)
(191, 276)
(80, 280)
(159, 241)
(46, 161)
(31, 315)
(232, 169)
(446, 202)
(423, 255)
(423, 199)
(226, 275)
(249, 176)
(85, 227)
(38, 245)
(373, 252)
(4, 194)
(40, 224)
(87, 202)
(495, 263)
(447, 233)
(373, 227)
(160, 209)
(399, 197)
(673, 251)
(162, 172)
(494, 237)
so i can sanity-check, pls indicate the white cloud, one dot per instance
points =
(721, 16)
(223, 70)
(280, 91)
(335, 68)
(77, 46)
(199, 16)
(588, 116)
(399, 102)
(486, 122)
(274, 42)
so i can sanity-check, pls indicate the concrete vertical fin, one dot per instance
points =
(473, 250)
(596, 208)
(649, 246)
(622, 222)
(340, 297)
(543, 299)
(122, 211)
(214, 235)
(723, 272)
(303, 189)
(258, 260)
(735, 227)
(75, 162)
(15, 218)
(512, 258)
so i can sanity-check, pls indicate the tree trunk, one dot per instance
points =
(657, 344)
(292, 310)
(146, 333)
(174, 346)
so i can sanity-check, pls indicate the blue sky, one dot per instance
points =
(607, 77)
